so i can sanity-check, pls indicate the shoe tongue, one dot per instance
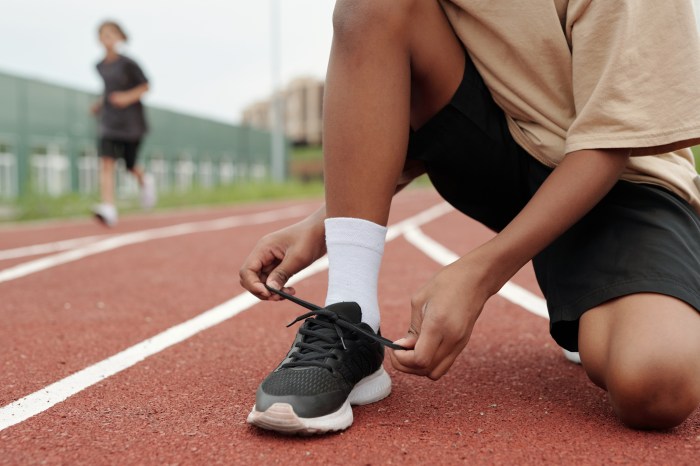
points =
(350, 311)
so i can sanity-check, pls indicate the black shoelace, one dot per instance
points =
(324, 334)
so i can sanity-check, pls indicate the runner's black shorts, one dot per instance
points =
(120, 149)
(639, 239)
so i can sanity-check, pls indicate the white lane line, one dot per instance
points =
(127, 239)
(443, 256)
(45, 398)
(47, 248)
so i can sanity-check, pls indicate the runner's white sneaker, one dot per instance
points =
(106, 213)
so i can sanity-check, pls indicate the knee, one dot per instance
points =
(648, 394)
(355, 20)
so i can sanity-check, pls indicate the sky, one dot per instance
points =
(204, 57)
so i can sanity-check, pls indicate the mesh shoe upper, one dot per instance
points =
(310, 381)
(331, 353)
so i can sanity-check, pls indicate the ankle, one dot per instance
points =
(355, 248)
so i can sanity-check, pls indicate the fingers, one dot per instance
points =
(434, 344)
(444, 357)
(407, 342)
(255, 270)
(425, 355)
(268, 266)
(278, 276)
(254, 281)
(250, 279)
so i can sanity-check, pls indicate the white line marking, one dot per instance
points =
(45, 398)
(127, 239)
(443, 256)
(47, 248)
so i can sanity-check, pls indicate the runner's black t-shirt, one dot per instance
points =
(129, 123)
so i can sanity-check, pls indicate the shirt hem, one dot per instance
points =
(680, 138)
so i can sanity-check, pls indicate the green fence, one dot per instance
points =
(48, 145)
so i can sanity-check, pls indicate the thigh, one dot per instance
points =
(471, 157)
(639, 334)
(108, 148)
(437, 60)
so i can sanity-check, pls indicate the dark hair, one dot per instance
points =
(115, 26)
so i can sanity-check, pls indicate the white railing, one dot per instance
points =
(184, 174)
(206, 174)
(8, 176)
(51, 171)
(160, 169)
(88, 171)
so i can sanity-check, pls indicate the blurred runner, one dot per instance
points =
(122, 121)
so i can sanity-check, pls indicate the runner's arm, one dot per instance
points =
(122, 99)
(445, 310)
(580, 181)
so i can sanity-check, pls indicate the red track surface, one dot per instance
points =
(511, 398)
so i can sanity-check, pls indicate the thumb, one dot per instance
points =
(408, 342)
(283, 272)
(417, 312)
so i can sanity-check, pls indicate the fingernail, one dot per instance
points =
(273, 284)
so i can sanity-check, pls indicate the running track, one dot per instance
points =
(138, 346)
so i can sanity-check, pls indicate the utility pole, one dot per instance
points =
(277, 100)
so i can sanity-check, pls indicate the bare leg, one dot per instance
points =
(107, 180)
(138, 174)
(643, 349)
(394, 63)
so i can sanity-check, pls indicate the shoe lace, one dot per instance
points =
(323, 334)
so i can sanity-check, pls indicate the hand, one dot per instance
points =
(279, 255)
(120, 99)
(444, 312)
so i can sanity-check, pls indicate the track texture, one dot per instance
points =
(510, 398)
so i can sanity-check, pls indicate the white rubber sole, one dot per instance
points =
(572, 357)
(280, 417)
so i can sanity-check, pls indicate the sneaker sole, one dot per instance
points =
(572, 357)
(280, 417)
(103, 220)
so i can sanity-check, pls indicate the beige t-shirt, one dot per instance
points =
(593, 74)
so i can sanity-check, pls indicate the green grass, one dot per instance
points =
(242, 193)
(75, 205)
(696, 153)
(306, 153)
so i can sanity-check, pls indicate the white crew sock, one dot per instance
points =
(355, 249)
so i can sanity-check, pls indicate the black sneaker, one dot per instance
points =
(334, 362)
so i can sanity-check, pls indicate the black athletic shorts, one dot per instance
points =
(119, 149)
(639, 238)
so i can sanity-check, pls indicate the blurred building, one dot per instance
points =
(303, 112)
(48, 142)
